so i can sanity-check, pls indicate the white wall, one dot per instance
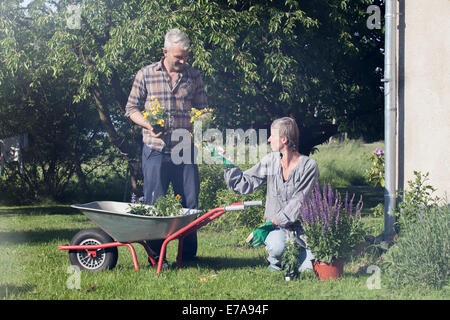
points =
(424, 70)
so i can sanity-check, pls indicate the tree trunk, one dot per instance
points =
(80, 175)
(129, 151)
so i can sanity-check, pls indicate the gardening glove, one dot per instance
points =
(257, 237)
(219, 156)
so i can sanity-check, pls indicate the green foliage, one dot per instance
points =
(211, 181)
(166, 206)
(214, 193)
(259, 60)
(421, 256)
(38, 100)
(417, 201)
(290, 262)
(241, 222)
(140, 209)
(375, 175)
(378, 210)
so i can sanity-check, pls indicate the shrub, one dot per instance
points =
(417, 201)
(420, 258)
(241, 222)
(211, 181)
(375, 175)
(215, 193)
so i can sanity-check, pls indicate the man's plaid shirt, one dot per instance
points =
(187, 92)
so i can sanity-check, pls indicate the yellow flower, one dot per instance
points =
(152, 97)
(145, 114)
(160, 122)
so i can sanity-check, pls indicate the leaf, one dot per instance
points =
(92, 288)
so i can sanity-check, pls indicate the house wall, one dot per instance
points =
(424, 92)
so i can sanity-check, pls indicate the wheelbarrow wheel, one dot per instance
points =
(93, 260)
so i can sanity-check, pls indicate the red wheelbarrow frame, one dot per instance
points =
(179, 234)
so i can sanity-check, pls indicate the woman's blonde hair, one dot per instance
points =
(287, 127)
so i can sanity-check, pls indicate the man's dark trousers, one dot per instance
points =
(159, 171)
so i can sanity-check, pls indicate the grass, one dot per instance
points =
(33, 268)
(343, 164)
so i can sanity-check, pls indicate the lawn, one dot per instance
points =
(33, 268)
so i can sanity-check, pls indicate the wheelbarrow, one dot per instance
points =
(95, 249)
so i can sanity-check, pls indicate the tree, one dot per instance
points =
(313, 60)
(63, 134)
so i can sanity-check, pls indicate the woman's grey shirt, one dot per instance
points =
(284, 198)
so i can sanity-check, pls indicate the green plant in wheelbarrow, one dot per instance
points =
(165, 206)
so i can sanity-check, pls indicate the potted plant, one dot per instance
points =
(332, 229)
(157, 115)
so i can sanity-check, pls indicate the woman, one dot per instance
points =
(290, 178)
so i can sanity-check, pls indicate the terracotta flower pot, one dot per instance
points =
(325, 271)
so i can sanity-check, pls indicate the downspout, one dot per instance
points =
(390, 110)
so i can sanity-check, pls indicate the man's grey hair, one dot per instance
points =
(287, 127)
(176, 36)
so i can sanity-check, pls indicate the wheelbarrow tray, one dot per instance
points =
(113, 218)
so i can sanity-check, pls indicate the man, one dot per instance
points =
(177, 88)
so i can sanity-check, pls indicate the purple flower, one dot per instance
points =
(305, 214)
(346, 203)
(338, 209)
(311, 217)
(378, 152)
(359, 207)
(317, 202)
(330, 196)
(133, 199)
(351, 205)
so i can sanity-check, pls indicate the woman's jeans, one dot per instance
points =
(159, 171)
(275, 244)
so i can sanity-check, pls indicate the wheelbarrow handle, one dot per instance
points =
(237, 207)
(252, 203)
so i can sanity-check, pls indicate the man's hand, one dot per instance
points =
(154, 135)
(139, 119)
(259, 235)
